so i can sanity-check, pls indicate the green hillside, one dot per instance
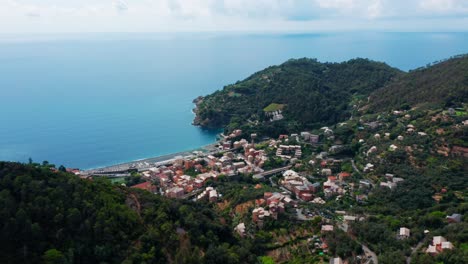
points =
(49, 217)
(313, 93)
(443, 84)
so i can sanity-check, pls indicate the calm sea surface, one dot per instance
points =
(93, 100)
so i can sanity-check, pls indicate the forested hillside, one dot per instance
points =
(443, 84)
(54, 217)
(311, 93)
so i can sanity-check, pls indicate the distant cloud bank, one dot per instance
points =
(71, 16)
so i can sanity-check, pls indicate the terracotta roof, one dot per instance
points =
(143, 186)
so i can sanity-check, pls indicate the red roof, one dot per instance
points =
(143, 186)
(344, 174)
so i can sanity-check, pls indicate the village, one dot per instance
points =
(306, 176)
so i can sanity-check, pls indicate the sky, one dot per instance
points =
(88, 16)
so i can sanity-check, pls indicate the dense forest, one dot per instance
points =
(55, 217)
(443, 84)
(311, 93)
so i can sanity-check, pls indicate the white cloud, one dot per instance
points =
(120, 6)
(18, 16)
(445, 6)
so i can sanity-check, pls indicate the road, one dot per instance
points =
(354, 166)
(300, 215)
(369, 252)
(414, 250)
(273, 171)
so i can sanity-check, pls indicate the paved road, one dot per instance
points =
(374, 259)
(300, 215)
(273, 171)
(414, 250)
(354, 166)
(368, 252)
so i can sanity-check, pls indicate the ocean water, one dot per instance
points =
(94, 100)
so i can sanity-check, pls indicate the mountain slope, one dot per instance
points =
(445, 83)
(58, 218)
(311, 93)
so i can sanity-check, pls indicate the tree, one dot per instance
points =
(62, 168)
(54, 256)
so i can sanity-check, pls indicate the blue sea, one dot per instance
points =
(98, 99)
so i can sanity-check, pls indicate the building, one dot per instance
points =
(326, 172)
(299, 185)
(175, 192)
(305, 136)
(240, 229)
(439, 244)
(343, 175)
(349, 218)
(454, 218)
(327, 228)
(337, 260)
(314, 139)
(404, 233)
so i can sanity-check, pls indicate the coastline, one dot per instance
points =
(156, 160)
(151, 161)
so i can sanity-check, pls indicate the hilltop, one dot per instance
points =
(307, 93)
(444, 83)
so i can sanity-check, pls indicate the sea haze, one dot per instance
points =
(94, 100)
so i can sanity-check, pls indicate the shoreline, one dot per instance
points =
(151, 161)
(157, 160)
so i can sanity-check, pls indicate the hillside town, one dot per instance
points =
(304, 177)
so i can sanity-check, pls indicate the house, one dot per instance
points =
(337, 260)
(364, 184)
(446, 245)
(327, 228)
(213, 196)
(343, 175)
(454, 218)
(318, 200)
(390, 185)
(240, 229)
(175, 192)
(369, 167)
(404, 233)
(305, 136)
(314, 139)
(258, 216)
(326, 172)
(432, 250)
(227, 145)
(349, 218)
(439, 244)
(298, 184)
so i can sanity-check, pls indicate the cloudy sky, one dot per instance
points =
(71, 16)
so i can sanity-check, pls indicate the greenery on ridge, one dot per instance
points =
(55, 217)
(313, 93)
(443, 84)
